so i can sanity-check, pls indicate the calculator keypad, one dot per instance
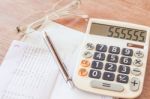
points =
(112, 58)
(101, 48)
(139, 54)
(138, 62)
(112, 64)
(114, 50)
(124, 69)
(122, 78)
(89, 46)
(87, 54)
(85, 63)
(97, 65)
(134, 84)
(106, 86)
(95, 74)
(108, 76)
(99, 56)
(136, 71)
(110, 67)
(127, 52)
(125, 60)
(83, 72)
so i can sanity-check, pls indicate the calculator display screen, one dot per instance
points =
(118, 32)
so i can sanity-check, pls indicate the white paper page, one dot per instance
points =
(65, 39)
(69, 41)
(27, 73)
(63, 91)
(9, 65)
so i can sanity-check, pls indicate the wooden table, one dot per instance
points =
(13, 12)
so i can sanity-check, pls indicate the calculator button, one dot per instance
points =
(106, 86)
(110, 67)
(122, 78)
(95, 74)
(83, 72)
(127, 52)
(87, 54)
(139, 54)
(114, 50)
(101, 47)
(97, 65)
(89, 46)
(108, 76)
(134, 84)
(124, 69)
(138, 62)
(85, 63)
(126, 60)
(136, 71)
(112, 58)
(99, 56)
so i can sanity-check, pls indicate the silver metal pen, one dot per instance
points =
(61, 65)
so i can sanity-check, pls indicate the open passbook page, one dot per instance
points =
(29, 71)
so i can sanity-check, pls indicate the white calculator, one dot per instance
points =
(113, 59)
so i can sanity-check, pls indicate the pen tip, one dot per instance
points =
(70, 83)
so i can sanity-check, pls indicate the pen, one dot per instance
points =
(57, 59)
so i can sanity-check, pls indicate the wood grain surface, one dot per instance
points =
(14, 12)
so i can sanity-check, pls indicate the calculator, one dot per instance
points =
(112, 59)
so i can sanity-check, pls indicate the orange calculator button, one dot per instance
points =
(83, 72)
(85, 63)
